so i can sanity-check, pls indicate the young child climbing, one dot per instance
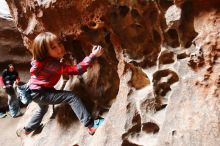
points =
(45, 72)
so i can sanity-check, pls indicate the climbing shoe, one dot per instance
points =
(17, 115)
(23, 132)
(2, 115)
(96, 124)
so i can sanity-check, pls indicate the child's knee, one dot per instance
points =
(74, 98)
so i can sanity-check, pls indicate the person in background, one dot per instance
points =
(10, 77)
(46, 70)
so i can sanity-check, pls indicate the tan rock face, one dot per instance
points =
(157, 83)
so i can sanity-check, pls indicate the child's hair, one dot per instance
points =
(41, 44)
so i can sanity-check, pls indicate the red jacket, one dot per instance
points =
(48, 72)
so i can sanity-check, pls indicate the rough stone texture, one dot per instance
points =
(157, 83)
(11, 43)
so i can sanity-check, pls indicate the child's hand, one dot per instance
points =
(97, 51)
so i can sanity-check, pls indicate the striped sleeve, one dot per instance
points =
(36, 66)
(79, 68)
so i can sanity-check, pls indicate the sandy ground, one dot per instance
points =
(8, 135)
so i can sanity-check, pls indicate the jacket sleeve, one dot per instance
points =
(79, 68)
(36, 66)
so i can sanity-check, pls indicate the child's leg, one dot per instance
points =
(53, 96)
(37, 117)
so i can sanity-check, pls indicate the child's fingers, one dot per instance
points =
(94, 47)
(99, 47)
(98, 50)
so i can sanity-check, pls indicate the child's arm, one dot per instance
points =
(79, 68)
(82, 66)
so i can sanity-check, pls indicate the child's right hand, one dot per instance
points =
(97, 50)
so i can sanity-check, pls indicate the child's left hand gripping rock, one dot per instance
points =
(97, 50)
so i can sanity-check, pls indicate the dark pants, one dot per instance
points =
(44, 97)
(13, 102)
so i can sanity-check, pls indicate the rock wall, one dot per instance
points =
(157, 83)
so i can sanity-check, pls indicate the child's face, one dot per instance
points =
(56, 50)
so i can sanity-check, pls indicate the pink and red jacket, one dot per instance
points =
(45, 74)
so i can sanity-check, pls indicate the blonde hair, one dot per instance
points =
(41, 44)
